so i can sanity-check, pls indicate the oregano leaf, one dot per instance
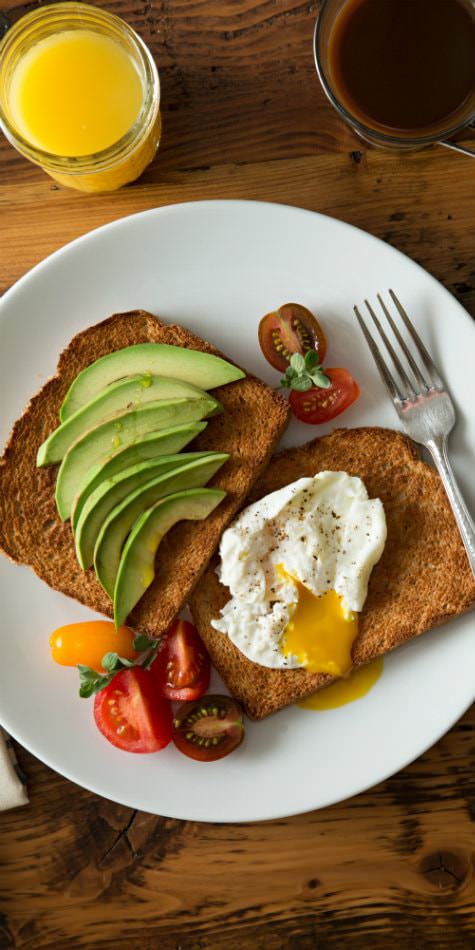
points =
(297, 362)
(109, 661)
(142, 642)
(311, 360)
(320, 379)
(92, 682)
(302, 384)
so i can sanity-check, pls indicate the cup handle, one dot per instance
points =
(463, 149)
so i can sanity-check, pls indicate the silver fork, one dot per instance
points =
(422, 403)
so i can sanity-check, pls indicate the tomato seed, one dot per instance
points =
(303, 335)
(278, 345)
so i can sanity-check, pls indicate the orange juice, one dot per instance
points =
(79, 95)
(75, 93)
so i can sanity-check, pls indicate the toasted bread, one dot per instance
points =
(422, 579)
(30, 530)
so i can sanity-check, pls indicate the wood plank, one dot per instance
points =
(402, 199)
(392, 868)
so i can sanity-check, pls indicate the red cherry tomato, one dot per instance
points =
(131, 715)
(320, 405)
(208, 729)
(290, 329)
(182, 668)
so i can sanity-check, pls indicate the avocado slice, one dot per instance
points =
(120, 397)
(120, 521)
(97, 444)
(159, 359)
(111, 492)
(137, 564)
(154, 445)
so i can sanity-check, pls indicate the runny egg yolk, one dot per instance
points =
(345, 690)
(320, 632)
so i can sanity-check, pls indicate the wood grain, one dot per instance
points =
(244, 117)
(393, 868)
(405, 201)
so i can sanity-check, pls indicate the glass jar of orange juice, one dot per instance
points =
(80, 96)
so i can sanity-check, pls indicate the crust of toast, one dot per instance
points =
(423, 578)
(30, 530)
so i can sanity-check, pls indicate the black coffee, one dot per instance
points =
(404, 65)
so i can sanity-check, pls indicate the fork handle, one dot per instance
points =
(438, 450)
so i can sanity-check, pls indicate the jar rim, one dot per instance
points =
(68, 14)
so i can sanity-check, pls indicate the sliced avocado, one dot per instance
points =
(120, 521)
(96, 445)
(111, 492)
(160, 359)
(137, 564)
(152, 446)
(120, 397)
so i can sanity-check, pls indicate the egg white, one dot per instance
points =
(323, 531)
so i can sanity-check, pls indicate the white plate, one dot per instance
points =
(216, 267)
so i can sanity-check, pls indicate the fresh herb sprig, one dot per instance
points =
(91, 682)
(305, 372)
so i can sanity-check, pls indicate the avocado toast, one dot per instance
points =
(31, 531)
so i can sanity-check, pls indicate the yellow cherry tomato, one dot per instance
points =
(87, 643)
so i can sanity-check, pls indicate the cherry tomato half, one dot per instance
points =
(87, 643)
(182, 668)
(208, 729)
(290, 329)
(131, 715)
(320, 405)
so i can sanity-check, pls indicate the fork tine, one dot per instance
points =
(410, 392)
(426, 358)
(402, 343)
(386, 376)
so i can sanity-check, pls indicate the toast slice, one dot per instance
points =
(422, 579)
(30, 530)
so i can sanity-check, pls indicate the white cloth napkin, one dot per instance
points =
(12, 788)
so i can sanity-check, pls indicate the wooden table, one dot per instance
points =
(244, 117)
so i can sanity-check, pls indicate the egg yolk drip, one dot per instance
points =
(345, 690)
(320, 632)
